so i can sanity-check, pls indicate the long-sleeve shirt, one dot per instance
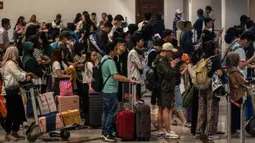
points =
(55, 25)
(198, 26)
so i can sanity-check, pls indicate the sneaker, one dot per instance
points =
(161, 133)
(25, 124)
(172, 135)
(108, 138)
(9, 137)
(16, 135)
(214, 137)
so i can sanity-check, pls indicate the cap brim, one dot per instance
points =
(174, 50)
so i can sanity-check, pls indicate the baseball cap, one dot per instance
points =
(178, 11)
(169, 47)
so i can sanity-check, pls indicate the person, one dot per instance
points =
(121, 62)
(30, 63)
(147, 30)
(132, 29)
(165, 74)
(4, 38)
(19, 28)
(111, 77)
(118, 33)
(237, 91)
(180, 29)
(77, 19)
(12, 75)
(32, 21)
(243, 21)
(57, 24)
(186, 39)
(102, 37)
(208, 33)
(208, 12)
(168, 36)
(198, 25)
(101, 23)
(58, 67)
(208, 121)
(240, 47)
(178, 17)
(44, 44)
(157, 46)
(116, 24)
(109, 18)
(159, 26)
(136, 62)
(94, 18)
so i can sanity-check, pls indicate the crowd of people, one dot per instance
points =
(42, 52)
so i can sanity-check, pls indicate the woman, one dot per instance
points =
(44, 44)
(57, 24)
(30, 63)
(12, 75)
(94, 58)
(19, 28)
(77, 19)
(109, 18)
(58, 67)
(33, 22)
(208, 108)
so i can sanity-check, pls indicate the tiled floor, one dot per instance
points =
(92, 136)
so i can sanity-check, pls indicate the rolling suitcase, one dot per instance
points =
(125, 121)
(68, 103)
(142, 118)
(95, 109)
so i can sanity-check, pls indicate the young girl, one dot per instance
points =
(237, 91)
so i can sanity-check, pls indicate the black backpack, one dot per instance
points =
(98, 82)
(151, 79)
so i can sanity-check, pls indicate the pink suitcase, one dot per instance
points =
(50, 122)
(68, 103)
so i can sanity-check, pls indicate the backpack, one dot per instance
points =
(187, 97)
(201, 70)
(151, 80)
(229, 49)
(98, 82)
(250, 127)
(93, 40)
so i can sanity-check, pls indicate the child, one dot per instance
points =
(237, 91)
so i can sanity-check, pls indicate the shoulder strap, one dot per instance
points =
(228, 50)
(101, 69)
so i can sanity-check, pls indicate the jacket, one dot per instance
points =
(165, 74)
(135, 59)
(236, 82)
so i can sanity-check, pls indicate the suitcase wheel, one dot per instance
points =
(65, 134)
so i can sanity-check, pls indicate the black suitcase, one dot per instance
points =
(95, 109)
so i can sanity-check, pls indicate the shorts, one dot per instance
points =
(165, 99)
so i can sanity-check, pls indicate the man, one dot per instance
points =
(101, 38)
(121, 62)
(151, 57)
(208, 12)
(4, 38)
(94, 18)
(166, 76)
(198, 25)
(168, 36)
(110, 91)
(186, 39)
(208, 33)
(118, 19)
(243, 21)
(178, 17)
(159, 25)
(239, 47)
(136, 62)
(101, 23)
(147, 30)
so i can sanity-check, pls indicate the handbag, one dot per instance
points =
(187, 97)
(65, 87)
(11, 90)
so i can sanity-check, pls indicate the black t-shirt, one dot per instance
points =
(216, 65)
(151, 57)
(208, 36)
(147, 31)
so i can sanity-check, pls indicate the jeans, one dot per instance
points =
(178, 98)
(109, 112)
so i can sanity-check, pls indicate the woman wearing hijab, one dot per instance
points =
(12, 75)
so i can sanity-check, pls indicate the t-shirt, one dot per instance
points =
(4, 38)
(56, 66)
(242, 56)
(147, 31)
(216, 65)
(109, 69)
(208, 36)
(151, 57)
(198, 26)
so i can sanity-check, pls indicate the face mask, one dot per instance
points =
(210, 29)
(9, 27)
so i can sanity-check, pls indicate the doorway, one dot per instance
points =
(153, 6)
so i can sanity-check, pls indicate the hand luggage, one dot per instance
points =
(50, 122)
(71, 117)
(68, 103)
(125, 123)
(46, 103)
(65, 88)
(95, 109)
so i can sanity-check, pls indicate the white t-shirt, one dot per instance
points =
(87, 73)
(242, 57)
(4, 38)
(56, 66)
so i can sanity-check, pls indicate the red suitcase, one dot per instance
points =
(125, 122)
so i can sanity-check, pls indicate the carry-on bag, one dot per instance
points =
(71, 117)
(125, 121)
(68, 103)
(46, 103)
(50, 122)
(95, 109)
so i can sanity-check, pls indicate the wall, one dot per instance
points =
(170, 7)
(47, 9)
